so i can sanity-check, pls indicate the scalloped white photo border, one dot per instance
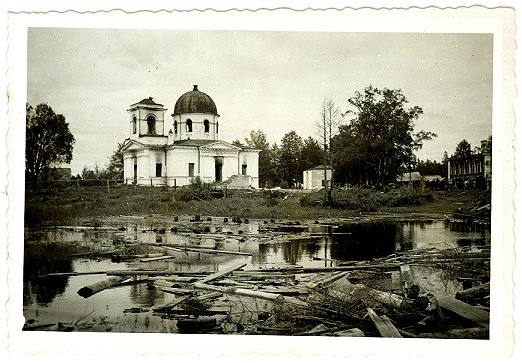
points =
(500, 22)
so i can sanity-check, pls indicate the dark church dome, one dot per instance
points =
(195, 102)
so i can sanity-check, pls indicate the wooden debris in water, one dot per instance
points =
(88, 291)
(222, 273)
(384, 325)
(467, 311)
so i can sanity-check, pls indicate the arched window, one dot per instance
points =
(175, 127)
(134, 122)
(217, 127)
(151, 125)
(206, 124)
(189, 125)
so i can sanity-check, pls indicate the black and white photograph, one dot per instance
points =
(245, 179)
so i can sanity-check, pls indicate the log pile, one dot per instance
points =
(364, 300)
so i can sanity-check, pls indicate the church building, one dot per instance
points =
(190, 149)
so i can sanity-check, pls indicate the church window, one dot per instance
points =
(206, 124)
(191, 169)
(134, 124)
(244, 169)
(175, 127)
(158, 169)
(151, 125)
(189, 125)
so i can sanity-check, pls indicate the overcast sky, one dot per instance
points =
(273, 81)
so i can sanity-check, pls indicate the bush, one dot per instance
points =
(196, 190)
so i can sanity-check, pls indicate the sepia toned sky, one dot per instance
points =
(273, 81)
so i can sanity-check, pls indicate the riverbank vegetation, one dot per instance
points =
(64, 205)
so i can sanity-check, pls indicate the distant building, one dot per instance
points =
(190, 149)
(473, 171)
(313, 178)
(413, 176)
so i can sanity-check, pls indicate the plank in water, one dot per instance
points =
(384, 325)
(220, 274)
(467, 311)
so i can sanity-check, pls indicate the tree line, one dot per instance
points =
(368, 144)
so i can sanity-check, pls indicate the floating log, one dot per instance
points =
(229, 282)
(172, 279)
(278, 298)
(290, 291)
(174, 290)
(171, 304)
(473, 293)
(465, 310)
(337, 268)
(384, 326)
(259, 275)
(210, 295)
(151, 272)
(326, 280)
(90, 290)
(365, 292)
(222, 273)
(162, 257)
(55, 274)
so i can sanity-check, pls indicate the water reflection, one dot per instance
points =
(304, 245)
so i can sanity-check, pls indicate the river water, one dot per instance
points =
(55, 299)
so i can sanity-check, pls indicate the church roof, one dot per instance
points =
(192, 142)
(147, 101)
(195, 101)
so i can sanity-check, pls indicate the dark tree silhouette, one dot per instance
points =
(49, 141)
(379, 142)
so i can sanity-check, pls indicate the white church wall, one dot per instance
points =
(251, 160)
(128, 169)
(143, 167)
(178, 160)
(229, 166)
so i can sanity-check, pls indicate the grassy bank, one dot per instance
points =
(63, 206)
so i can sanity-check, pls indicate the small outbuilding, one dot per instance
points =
(314, 178)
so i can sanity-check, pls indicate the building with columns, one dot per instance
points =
(190, 148)
(474, 170)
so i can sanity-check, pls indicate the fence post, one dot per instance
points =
(108, 187)
(150, 181)
(175, 186)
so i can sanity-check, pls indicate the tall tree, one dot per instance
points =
(379, 141)
(115, 168)
(311, 154)
(290, 158)
(49, 142)
(463, 149)
(327, 126)
(274, 174)
(257, 140)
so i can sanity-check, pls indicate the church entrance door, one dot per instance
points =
(135, 175)
(219, 168)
